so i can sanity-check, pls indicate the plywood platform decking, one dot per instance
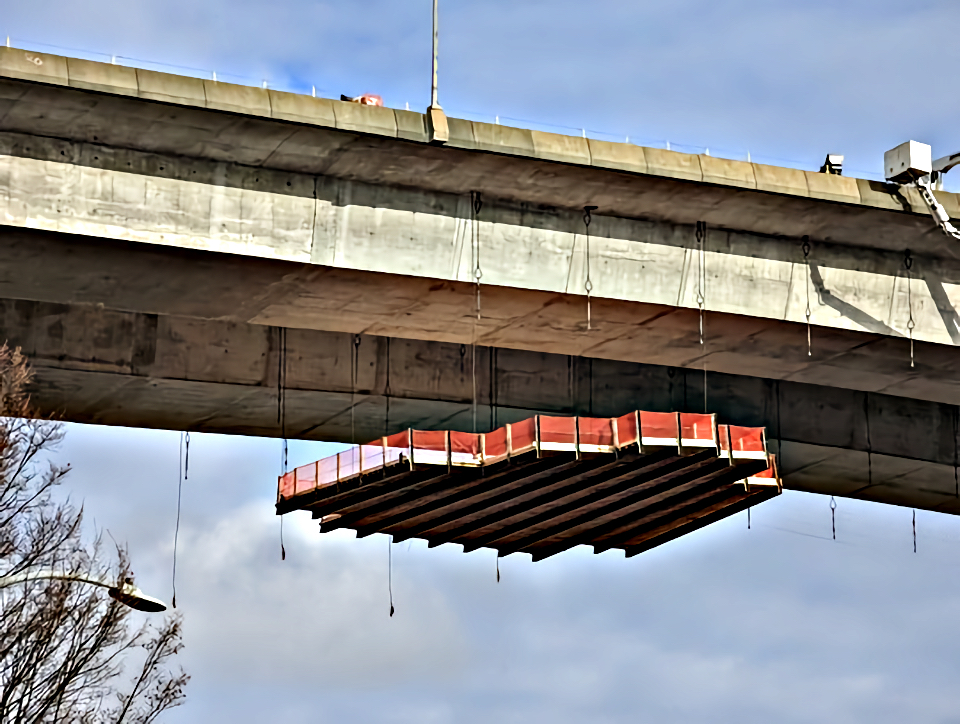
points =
(543, 485)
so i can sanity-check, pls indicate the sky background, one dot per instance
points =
(777, 623)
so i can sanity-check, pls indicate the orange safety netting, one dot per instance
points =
(543, 433)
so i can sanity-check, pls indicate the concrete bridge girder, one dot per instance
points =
(123, 368)
(155, 230)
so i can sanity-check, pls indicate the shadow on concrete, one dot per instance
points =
(951, 320)
(849, 311)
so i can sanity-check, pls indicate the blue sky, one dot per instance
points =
(776, 623)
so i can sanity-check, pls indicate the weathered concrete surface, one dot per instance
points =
(168, 200)
(52, 267)
(154, 230)
(56, 97)
(124, 368)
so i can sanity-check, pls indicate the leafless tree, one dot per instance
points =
(68, 652)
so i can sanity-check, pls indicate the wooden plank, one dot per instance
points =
(598, 501)
(700, 522)
(640, 508)
(484, 492)
(534, 498)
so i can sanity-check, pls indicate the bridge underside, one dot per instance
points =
(139, 369)
(167, 244)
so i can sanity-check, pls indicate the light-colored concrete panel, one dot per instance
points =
(411, 126)
(832, 188)
(727, 172)
(30, 65)
(565, 149)
(236, 98)
(882, 195)
(621, 156)
(301, 108)
(88, 75)
(365, 119)
(461, 133)
(673, 164)
(781, 180)
(503, 139)
(170, 88)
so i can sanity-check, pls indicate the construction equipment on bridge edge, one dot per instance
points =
(543, 485)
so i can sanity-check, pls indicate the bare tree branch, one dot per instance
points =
(66, 649)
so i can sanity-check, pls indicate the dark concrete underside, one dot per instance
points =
(111, 367)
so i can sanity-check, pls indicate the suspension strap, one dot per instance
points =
(908, 265)
(806, 313)
(588, 284)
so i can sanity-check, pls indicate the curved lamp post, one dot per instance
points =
(126, 593)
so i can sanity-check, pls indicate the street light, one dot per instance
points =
(126, 593)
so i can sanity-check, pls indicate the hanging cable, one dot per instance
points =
(914, 530)
(354, 375)
(748, 518)
(390, 573)
(181, 476)
(587, 284)
(908, 265)
(701, 278)
(701, 295)
(806, 261)
(282, 415)
(498, 566)
(476, 203)
(833, 516)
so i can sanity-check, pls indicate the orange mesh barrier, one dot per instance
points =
(464, 448)
(551, 433)
(432, 440)
(349, 463)
(523, 436)
(747, 439)
(696, 426)
(371, 456)
(306, 478)
(659, 425)
(627, 429)
(558, 429)
(287, 486)
(495, 443)
(465, 442)
(596, 431)
(328, 470)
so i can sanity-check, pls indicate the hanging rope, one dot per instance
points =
(701, 278)
(183, 472)
(354, 374)
(701, 295)
(386, 394)
(914, 530)
(476, 204)
(748, 518)
(282, 415)
(833, 516)
(587, 284)
(908, 265)
(498, 566)
(806, 261)
(390, 573)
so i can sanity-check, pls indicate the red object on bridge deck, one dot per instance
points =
(542, 485)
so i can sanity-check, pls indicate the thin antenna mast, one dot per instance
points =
(434, 103)
(439, 130)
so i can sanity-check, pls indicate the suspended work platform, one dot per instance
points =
(542, 485)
